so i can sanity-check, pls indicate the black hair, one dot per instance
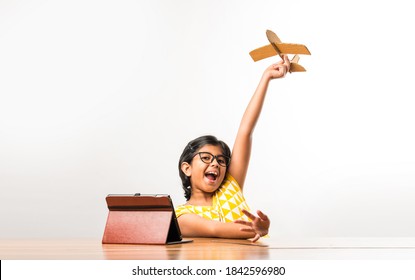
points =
(190, 151)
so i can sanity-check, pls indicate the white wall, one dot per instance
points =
(101, 97)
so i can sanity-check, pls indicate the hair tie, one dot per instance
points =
(190, 148)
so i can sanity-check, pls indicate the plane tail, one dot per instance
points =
(294, 66)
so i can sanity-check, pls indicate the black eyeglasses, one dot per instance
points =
(207, 157)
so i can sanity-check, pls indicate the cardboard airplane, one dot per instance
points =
(276, 47)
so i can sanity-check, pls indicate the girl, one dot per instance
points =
(213, 183)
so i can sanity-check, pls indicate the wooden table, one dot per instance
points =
(211, 249)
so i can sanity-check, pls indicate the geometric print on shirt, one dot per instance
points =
(227, 204)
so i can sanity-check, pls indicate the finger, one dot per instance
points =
(281, 69)
(287, 62)
(255, 239)
(245, 223)
(262, 215)
(276, 67)
(286, 59)
(247, 229)
(248, 214)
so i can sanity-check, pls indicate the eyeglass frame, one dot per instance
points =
(228, 159)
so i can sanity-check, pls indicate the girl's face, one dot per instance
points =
(206, 176)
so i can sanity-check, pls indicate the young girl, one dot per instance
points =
(213, 183)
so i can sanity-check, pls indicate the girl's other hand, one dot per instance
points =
(258, 224)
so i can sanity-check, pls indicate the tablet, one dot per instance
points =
(141, 219)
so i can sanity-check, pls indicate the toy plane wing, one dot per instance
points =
(283, 48)
(276, 47)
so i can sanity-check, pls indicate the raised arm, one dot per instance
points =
(241, 151)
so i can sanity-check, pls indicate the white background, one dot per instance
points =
(100, 97)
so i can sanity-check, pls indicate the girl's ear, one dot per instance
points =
(187, 169)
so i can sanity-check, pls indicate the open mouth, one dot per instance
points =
(211, 175)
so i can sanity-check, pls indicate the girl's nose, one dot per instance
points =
(214, 162)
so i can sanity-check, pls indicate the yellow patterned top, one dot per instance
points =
(227, 203)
